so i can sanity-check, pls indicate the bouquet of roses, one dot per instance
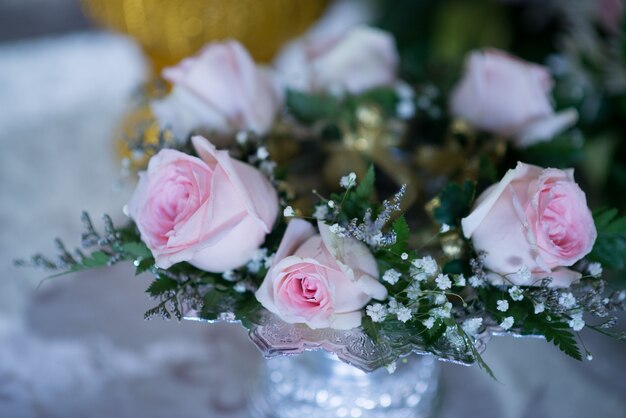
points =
(223, 228)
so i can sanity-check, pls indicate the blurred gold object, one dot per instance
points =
(459, 156)
(170, 30)
(371, 140)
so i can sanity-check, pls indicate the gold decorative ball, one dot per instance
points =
(170, 30)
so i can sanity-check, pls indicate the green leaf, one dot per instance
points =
(557, 332)
(370, 328)
(437, 331)
(137, 250)
(213, 300)
(454, 203)
(308, 108)
(610, 246)
(144, 265)
(161, 285)
(385, 97)
(401, 228)
(96, 259)
(365, 188)
(561, 152)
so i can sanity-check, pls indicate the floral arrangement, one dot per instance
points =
(231, 233)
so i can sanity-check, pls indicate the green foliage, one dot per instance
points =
(365, 188)
(401, 228)
(370, 328)
(555, 331)
(610, 246)
(161, 285)
(561, 152)
(455, 202)
(309, 108)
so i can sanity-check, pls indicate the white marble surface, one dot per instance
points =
(79, 347)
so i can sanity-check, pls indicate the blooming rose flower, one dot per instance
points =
(212, 211)
(219, 90)
(354, 60)
(507, 96)
(321, 280)
(535, 219)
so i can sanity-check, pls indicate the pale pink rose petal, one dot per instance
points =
(544, 129)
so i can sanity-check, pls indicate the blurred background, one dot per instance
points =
(78, 346)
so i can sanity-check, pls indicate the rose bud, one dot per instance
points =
(506, 96)
(220, 90)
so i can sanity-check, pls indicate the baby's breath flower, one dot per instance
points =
(567, 300)
(576, 323)
(476, 281)
(413, 291)
(595, 269)
(257, 261)
(507, 323)
(443, 282)
(404, 256)
(429, 322)
(523, 274)
(472, 325)
(460, 281)
(377, 312)
(442, 311)
(404, 314)
(444, 228)
(242, 137)
(230, 275)
(348, 181)
(440, 299)
(405, 109)
(321, 211)
(289, 212)
(426, 264)
(391, 367)
(503, 305)
(539, 308)
(392, 306)
(331, 204)
(262, 153)
(392, 276)
(516, 293)
(338, 230)
(240, 287)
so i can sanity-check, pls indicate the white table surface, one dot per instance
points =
(79, 347)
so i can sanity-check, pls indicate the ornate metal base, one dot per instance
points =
(316, 384)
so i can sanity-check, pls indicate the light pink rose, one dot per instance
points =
(219, 90)
(320, 280)
(212, 211)
(506, 96)
(535, 218)
(353, 61)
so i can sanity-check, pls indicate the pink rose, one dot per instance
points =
(212, 211)
(509, 97)
(354, 60)
(320, 280)
(219, 90)
(535, 218)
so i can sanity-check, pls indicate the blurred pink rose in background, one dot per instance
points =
(212, 211)
(353, 60)
(321, 280)
(506, 96)
(535, 218)
(219, 90)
